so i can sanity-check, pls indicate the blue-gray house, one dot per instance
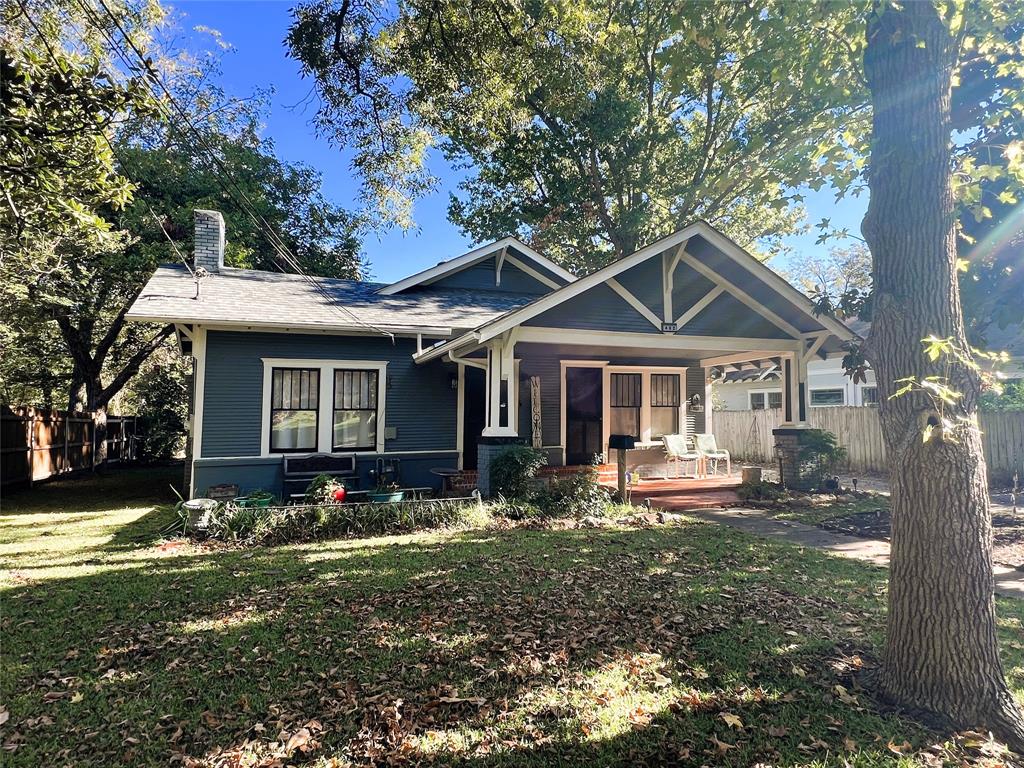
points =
(498, 344)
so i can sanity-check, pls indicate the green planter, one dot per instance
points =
(387, 496)
(253, 501)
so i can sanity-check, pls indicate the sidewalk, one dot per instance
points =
(1009, 582)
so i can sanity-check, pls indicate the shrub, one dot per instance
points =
(321, 489)
(760, 491)
(820, 453)
(232, 522)
(577, 495)
(514, 472)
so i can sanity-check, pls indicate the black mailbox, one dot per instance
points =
(621, 442)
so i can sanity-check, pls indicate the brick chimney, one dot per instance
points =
(209, 240)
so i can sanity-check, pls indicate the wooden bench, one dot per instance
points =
(299, 471)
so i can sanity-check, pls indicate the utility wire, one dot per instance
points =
(235, 192)
(283, 251)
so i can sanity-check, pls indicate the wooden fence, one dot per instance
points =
(36, 444)
(747, 435)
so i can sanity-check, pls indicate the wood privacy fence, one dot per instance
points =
(36, 444)
(747, 435)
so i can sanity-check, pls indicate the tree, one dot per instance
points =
(84, 282)
(843, 271)
(941, 654)
(591, 128)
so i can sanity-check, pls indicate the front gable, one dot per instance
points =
(486, 276)
(598, 309)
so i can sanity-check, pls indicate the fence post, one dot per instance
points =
(31, 424)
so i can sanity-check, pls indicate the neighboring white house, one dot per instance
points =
(759, 388)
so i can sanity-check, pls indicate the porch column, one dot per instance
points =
(501, 422)
(794, 390)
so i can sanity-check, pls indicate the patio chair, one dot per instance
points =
(678, 450)
(708, 448)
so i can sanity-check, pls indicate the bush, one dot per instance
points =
(577, 495)
(322, 488)
(283, 525)
(514, 472)
(760, 491)
(820, 453)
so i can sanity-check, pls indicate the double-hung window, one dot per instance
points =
(294, 405)
(832, 396)
(625, 402)
(665, 403)
(355, 409)
(869, 395)
(765, 399)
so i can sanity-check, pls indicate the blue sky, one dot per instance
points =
(256, 31)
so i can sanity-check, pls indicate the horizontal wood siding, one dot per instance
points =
(727, 316)
(597, 309)
(644, 282)
(420, 402)
(747, 435)
(480, 277)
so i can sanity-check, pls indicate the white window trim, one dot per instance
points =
(765, 392)
(645, 372)
(860, 394)
(811, 391)
(325, 413)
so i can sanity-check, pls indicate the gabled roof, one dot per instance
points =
(720, 242)
(475, 256)
(254, 298)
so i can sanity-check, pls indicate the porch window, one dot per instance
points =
(294, 405)
(768, 399)
(625, 403)
(869, 395)
(665, 404)
(835, 396)
(355, 409)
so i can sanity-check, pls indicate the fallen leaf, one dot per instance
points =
(733, 721)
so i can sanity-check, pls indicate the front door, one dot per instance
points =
(583, 428)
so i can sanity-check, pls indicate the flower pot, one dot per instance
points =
(253, 501)
(386, 496)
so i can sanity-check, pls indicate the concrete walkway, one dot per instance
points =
(1009, 582)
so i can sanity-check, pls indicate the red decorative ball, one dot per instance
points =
(339, 494)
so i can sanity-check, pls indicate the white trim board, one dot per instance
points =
(325, 399)
(473, 257)
(199, 389)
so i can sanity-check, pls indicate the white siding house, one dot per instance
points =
(827, 384)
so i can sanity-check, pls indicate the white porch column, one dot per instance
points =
(794, 380)
(500, 368)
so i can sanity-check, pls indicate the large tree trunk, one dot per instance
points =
(941, 655)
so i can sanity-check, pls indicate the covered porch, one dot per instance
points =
(629, 350)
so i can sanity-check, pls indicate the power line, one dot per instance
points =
(283, 251)
(236, 193)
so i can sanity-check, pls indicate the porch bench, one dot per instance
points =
(299, 471)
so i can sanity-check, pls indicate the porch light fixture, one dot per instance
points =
(453, 380)
(694, 403)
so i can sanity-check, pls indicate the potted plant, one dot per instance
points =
(386, 491)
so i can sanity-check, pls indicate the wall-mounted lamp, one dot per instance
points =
(453, 380)
(695, 403)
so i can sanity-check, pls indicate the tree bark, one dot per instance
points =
(941, 655)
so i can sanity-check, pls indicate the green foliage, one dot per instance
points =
(577, 495)
(321, 489)
(283, 525)
(593, 128)
(1011, 398)
(820, 454)
(514, 472)
(760, 491)
(159, 396)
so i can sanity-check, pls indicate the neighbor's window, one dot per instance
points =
(664, 404)
(625, 404)
(294, 395)
(761, 400)
(869, 395)
(828, 396)
(355, 410)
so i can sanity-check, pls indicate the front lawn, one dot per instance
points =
(687, 644)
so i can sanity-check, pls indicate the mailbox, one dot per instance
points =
(621, 442)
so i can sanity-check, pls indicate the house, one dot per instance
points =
(443, 368)
(756, 388)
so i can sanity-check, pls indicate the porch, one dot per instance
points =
(629, 350)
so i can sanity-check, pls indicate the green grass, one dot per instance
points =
(689, 644)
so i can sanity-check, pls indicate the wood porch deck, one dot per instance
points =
(683, 493)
